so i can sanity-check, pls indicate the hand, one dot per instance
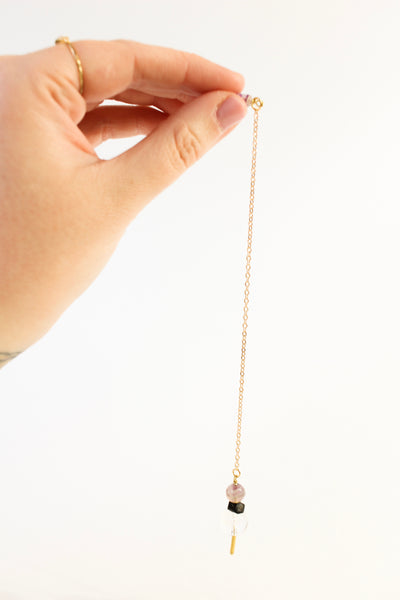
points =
(62, 209)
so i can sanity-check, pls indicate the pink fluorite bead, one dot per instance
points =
(247, 98)
(235, 492)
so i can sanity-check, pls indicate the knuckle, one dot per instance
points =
(186, 147)
(62, 90)
(184, 57)
(106, 131)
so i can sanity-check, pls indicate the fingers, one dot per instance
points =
(111, 67)
(107, 122)
(136, 176)
(134, 97)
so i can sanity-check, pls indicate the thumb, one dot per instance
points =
(159, 159)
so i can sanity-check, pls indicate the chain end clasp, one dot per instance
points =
(256, 103)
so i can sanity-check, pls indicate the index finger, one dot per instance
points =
(111, 67)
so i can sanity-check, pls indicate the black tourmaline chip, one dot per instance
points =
(236, 507)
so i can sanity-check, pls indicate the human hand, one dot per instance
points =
(62, 209)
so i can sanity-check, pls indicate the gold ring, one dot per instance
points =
(65, 40)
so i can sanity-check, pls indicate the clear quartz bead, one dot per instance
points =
(233, 523)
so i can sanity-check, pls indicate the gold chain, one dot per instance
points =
(256, 104)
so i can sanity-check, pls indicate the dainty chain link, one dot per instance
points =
(256, 105)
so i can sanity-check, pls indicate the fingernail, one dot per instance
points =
(232, 110)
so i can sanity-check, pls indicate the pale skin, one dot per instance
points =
(62, 209)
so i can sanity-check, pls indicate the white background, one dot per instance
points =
(117, 429)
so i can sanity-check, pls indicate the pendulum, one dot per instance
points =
(235, 519)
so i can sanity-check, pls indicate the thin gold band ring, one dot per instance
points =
(65, 40)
